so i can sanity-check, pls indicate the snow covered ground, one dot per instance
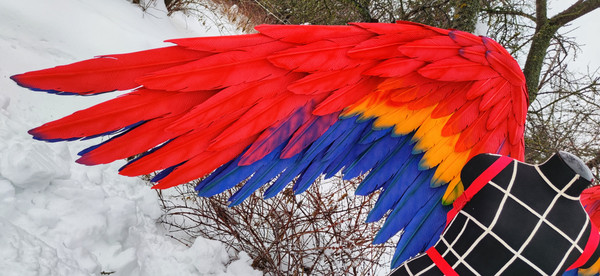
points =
(61, 218)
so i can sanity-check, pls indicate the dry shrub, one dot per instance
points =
(319, 232)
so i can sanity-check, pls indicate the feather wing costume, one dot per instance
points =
(405, 103)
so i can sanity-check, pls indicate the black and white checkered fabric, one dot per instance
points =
(526, 221)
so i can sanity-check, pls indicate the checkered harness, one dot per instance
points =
(526, 220)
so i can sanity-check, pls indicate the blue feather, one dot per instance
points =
(425, 235)
(229, 178)
(261, 177)
(285, 178)
(385, 171)
(314, 170)
(146, 153)
(350, 138)
(344, 159)
(572, 272)
(375, 154)
(374, 135)
(338, 129)
(419, 232)
(219, 172)
(162, 174)
(406, 179)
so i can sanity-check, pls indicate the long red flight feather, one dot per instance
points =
(124, 111)
(107, 73)
(136, 141)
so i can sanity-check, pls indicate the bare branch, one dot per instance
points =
(578, 9)
(509, 12)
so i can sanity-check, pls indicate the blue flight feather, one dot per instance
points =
(284, 179)
(385, 171)
(309, 176)
(375, 154)
(162, 174)
(260, 178)
(374, 135)
(404, 180)
(418, 237)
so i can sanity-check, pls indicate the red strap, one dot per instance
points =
(588, 251)
(439, 261)
(477, 185)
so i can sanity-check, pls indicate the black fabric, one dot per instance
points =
(526, 221)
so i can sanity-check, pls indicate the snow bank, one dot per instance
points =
(61, 218)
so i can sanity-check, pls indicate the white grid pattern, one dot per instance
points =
(408, 270)
(517, 253)
(425, 270)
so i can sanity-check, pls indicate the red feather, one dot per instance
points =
(381, 47)
(473, 133)
(202, 164)
(176, 151)
(107, 73)
(451, 103)
(219, 44)
(124, 111)
(435, 95)
(457, 69)
(501, 61)
(483, 87)
(410, 30)
(462, 118)
(135, 141)
(430, 49)
(219, 70)
(395, 67)
(516, 129)
(475, 53)
(464, 39)
(346, 96)
(327, 81)
(308, 133)
(490, 99)
(261, 116)
(590, 199)
(305, 34)
(494, 141)
(498, 114)
(417, 92)
(520, 100)
(275, 136)
(180, 149)
(235, 98)
(324, 55)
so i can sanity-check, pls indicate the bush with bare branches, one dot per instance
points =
(319, 232)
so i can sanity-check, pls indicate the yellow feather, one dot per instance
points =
(440, 151)
(454, 190)
(450, 168)
(369, 106)
(414, 119)
(429, 134)
(390, 116)
(592, 270)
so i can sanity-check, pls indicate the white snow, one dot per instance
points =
(61, 218)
